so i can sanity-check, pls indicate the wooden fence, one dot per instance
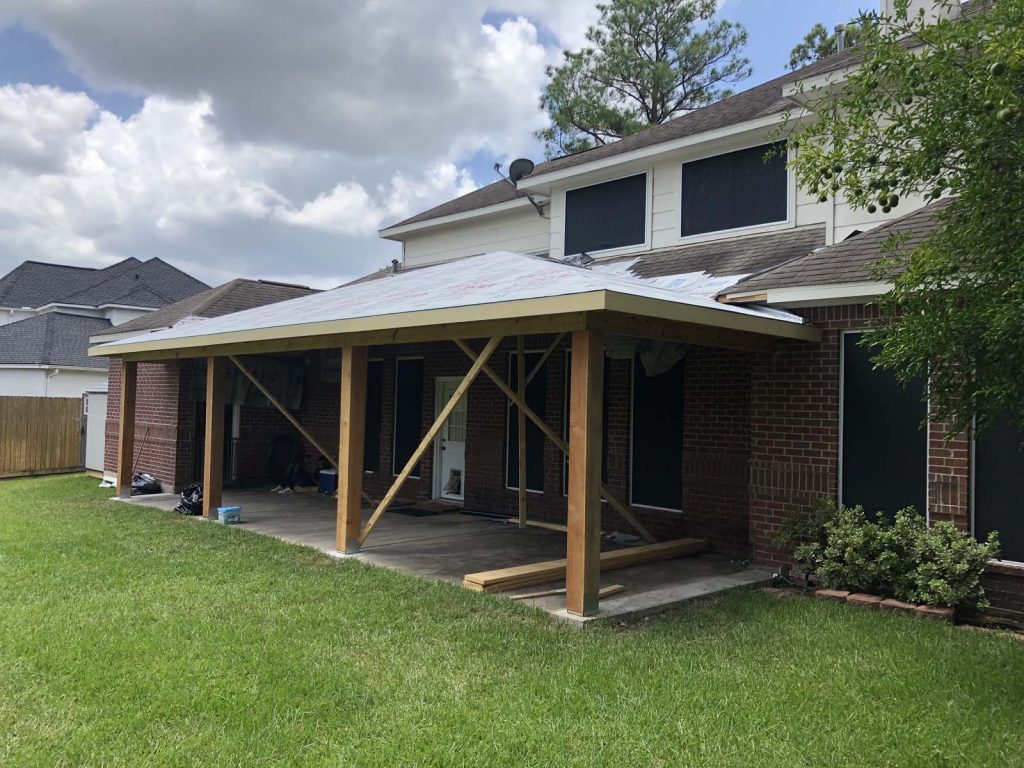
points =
(40, 435)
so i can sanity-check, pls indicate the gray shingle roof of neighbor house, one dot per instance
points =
(152, 284)
(850, 261)
(760, 101)
(52, 338)
(234, 296)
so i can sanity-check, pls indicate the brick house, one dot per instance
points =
(709, 310)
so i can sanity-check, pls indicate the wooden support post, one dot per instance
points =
(213, 442)
(616, 503)
(521, 425)
(428, 439)
(352, 429)
(583, 548)
(126, 429)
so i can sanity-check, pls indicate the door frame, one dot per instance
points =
(437, 480)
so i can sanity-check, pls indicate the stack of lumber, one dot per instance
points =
(504, 579)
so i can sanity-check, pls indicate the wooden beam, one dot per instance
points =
(611, 589)
(527, 326)
(521, 426)
(428, 438)
(213, 443)
(126, 428)
(291, 419)
(670, 330)
(504, 579)
(583, 546)
(284, 411)
(544, 358)
(613, 500)
(351, 432)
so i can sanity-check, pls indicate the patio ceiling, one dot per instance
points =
(470, 298)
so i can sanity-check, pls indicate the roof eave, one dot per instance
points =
(396, 232)
(810, 295)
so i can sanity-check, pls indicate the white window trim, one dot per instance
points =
(394, 426)
(373, 471)
(632, 391)
(648, 172)
(970, 497)
(719, 234)
(508, 423)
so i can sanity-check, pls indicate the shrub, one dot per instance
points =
(902, 558)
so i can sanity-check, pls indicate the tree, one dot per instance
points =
(645, 61)
(935, 109)
(819, 43)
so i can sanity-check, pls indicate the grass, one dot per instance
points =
(130, 636)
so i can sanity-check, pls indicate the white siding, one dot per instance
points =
(36, 382)
(521, 231)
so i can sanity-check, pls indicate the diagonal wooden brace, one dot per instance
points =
(479, 364)
(614, 501)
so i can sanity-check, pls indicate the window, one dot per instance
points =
(884, 447)
(408, 412)
(738, 189)
(374, 414)
(657, 440)
(999, 488)
(536, 395)
(608, 215)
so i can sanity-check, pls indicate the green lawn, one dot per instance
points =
(130, 636)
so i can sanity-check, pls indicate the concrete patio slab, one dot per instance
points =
(447, 546)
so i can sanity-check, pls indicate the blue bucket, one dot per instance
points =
(229, 514)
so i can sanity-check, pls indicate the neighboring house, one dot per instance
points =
(49, 311)
(729, 303)
(170, 427)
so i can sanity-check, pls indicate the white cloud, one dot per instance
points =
(275, 138)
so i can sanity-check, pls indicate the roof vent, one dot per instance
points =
(840, 38)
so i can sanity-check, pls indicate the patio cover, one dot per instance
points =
(464, 299)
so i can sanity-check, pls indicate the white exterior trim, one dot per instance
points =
(814, 295)
(392, 233)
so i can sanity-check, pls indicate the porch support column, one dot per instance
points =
(583, 555)
(126, 428)
(521, 426)
(213, 441)
(352, 429)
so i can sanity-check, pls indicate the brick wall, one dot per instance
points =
(156, 421)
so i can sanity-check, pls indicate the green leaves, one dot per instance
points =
(646, 61)
(933, 110)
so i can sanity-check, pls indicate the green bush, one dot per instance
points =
(902, 558)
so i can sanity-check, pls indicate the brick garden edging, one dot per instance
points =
(888, 604)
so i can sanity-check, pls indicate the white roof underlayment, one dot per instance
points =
(492, 278)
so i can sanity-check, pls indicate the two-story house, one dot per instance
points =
(678, 320)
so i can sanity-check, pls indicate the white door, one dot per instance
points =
(95, 411)
(450, 448)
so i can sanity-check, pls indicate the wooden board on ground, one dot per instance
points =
(611, 589)
(504, 579)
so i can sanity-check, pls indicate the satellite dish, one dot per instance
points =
(520, 169)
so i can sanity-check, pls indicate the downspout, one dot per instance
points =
(46, 389)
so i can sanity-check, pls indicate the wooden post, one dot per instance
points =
(126, 435)
(521, 426)
(351, 432)
(583, 549)
(213, 443)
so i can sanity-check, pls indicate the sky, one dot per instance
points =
(269, 139)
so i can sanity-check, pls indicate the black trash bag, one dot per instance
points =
(191, 501)
(143, 483)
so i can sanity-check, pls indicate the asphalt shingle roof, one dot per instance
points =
(153, 283)
(731, 256)
(850, 261)
(52, 338)
(759, 101)
(233, 296)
